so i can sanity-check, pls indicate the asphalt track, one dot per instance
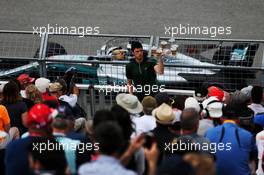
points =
(143, 17)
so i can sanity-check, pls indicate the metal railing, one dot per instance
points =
(233, 63)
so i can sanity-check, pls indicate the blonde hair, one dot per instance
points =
(33, 94)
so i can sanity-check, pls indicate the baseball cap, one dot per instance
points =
(40, 116)
(216, 92)
(25, 78)
(214, 107)
(42, 84)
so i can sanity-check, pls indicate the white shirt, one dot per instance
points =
(257, 108)
(145, 123)
(260, 145)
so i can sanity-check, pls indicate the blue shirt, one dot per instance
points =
(234, 156)
(16, 156)
(69, 147)
(104, 165)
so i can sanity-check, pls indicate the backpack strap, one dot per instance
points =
(236, 133)
(222, 134)
(237, 138)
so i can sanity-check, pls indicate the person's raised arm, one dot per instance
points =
(129, 86)
(159, 68)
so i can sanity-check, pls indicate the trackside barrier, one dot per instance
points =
(90, 102)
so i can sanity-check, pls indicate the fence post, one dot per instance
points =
(92, 100)
(42, 55)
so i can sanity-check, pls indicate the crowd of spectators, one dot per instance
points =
(43, 130)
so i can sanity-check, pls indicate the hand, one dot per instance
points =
(136, 143)
(152, 154)
(76, 90)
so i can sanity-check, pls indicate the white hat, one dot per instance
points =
(129, 102)
(164, 114)
(214, 107)
(42, 84)
(191, 102)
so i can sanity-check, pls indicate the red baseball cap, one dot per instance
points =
(40, 115)
(216, 92)
(25, 78)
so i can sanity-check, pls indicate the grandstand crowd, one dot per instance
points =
(43, 130)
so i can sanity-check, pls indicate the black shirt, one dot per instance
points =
(141, 73)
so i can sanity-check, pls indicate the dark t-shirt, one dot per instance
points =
(141, 73)
(143, 76)
(29, 103)
(15, 112)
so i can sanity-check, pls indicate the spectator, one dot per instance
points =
(214, 91)
(46, 161)
(102, 116)
(190, 124)
(152, 155)
(245, 115)
(8, 134)
(28, 102)
(202, 163)
(141, 71)
(56, 90)
(33, 94)
(260, 146)
(247, 91)
(71, 99)
(257, 97)
(108, 162)
(191, 102)
(130, 103)
(43, 86)
(24, 80)
(164, 119)
(17, 109)
(132, 158)
(163, 97)
(146, 122)
(211, 115)
(239, 143)
(60, 129)
(200, 93)
(39, 125)
(173, 164)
